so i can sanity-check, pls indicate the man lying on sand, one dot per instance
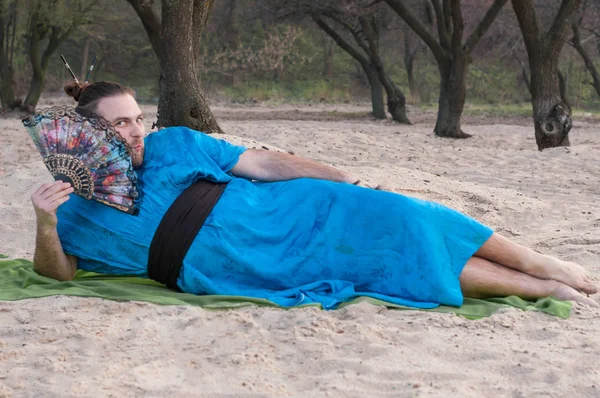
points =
(279, 227)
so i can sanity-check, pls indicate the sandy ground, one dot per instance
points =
(66, 346)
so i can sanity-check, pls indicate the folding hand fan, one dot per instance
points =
(88, 153)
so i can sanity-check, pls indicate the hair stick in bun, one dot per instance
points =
(69, 68)
(91, 69)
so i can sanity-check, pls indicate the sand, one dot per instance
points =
(68, 346)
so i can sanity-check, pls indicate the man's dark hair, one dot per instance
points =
(88, 95)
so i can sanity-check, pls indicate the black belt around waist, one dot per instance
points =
(178, 228)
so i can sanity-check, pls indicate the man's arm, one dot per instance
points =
(49, 259)
(263, 165)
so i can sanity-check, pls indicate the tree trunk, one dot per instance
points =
(525, 78)
(551, 115)
(409, 60)
(35, 89)
(563, 89)
(412, 84)
(368, 67)
(7, 90)
(7, 24)
(37, 79)
(52, 36)
(376, 92)
(452, 98)
(395, 98)
(181, 100)
(451, 55)
(328, 51)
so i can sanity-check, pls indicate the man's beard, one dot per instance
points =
(137, 158)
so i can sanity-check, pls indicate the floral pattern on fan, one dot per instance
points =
(89, 154)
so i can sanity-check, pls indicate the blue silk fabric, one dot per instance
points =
(291, 242)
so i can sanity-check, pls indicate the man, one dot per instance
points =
(284, 228)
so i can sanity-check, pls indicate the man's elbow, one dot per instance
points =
(252, 165)
(65, 276)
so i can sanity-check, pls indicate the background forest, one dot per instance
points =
(254, 51)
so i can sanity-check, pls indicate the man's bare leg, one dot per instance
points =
(482, 278)
(503, 251)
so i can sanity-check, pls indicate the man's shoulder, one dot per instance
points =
(175, 130)
(177, 136)
(174, 133)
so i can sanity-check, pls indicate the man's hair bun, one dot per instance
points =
(74, 89)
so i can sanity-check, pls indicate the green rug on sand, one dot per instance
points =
(19, 281)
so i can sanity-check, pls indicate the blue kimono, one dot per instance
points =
(291, 242)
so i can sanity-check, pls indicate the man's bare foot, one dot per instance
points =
(567, 272)
(564, 292)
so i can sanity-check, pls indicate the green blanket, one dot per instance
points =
(19, 281)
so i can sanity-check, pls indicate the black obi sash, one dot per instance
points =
(178, 228)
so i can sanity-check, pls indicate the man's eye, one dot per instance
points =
(120, 123)
(140, 120)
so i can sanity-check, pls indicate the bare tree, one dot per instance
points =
(577, 43)
(395, 96)
(175, 39)
(451, 54)
(50, 23)
(356, 29)
(551, 115)
(378, 109)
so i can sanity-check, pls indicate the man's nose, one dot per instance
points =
(138, 131)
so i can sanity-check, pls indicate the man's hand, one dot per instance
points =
(47, 199)
(49, 258)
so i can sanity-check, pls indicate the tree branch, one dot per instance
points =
(528, 23)
(363, 60)
(54, 41)
(441, 25)
(355, 33)
(560, 26)
(360, 40)
(333, 16)
(408, 17)
(448, 18)
(484, 25)
(200, 15)
(458, 25)
(371, 36)
(201, 12)
(150, 21)
(589, 63)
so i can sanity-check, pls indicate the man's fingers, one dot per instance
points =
(43, 188)
(59, 194)
(54, 189)
(52, 206)
(59, 201)
(47, 189)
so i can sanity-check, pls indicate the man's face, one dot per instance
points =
(125, 115)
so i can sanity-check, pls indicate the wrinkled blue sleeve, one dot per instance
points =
(223, 153)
